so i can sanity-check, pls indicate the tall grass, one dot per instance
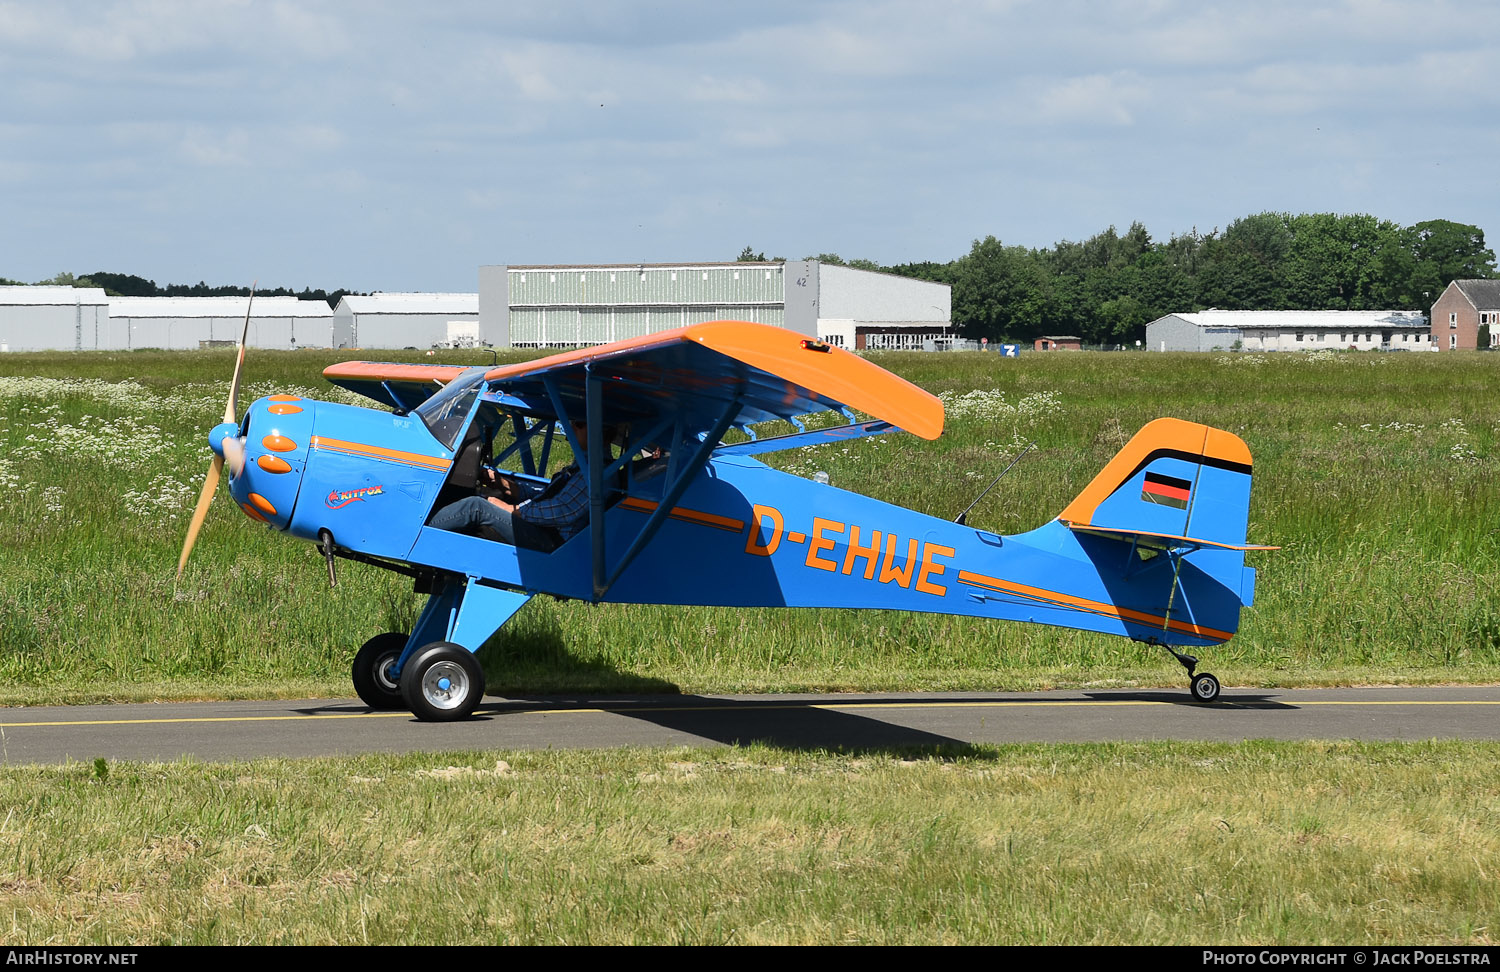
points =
(1375, 472)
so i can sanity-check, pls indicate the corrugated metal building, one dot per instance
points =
(84, 319)
(182, 323)
(1241, 330)
(53, 318)
(570, 305)
(403, 320)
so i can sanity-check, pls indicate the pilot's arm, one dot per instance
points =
(504, 486)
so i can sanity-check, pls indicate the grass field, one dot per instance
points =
(1375, 472)
(1259, 843)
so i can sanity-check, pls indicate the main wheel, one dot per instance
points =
(442, 682)
(1205, 687)
(371, 673)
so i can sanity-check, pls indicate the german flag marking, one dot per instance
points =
(1166, 490)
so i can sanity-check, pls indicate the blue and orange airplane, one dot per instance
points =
(1153, 549)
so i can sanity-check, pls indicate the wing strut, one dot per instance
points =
(594, 410)
(682, 475)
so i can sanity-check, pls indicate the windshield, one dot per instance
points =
(445, 412)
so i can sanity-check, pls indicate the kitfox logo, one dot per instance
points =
(339, 498)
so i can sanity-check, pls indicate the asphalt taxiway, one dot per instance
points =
(218, 731)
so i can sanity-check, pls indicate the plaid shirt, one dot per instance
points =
(566, 510)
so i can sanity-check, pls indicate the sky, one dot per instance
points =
(399, 146)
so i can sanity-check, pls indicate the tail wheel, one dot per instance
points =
(442, 682)
(1205, 688)
(371, 672)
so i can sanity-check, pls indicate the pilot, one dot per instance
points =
(542, 522)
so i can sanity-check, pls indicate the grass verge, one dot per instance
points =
(1285, 843)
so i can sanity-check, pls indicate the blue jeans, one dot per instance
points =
(478, 516)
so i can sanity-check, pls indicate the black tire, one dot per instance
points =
(371, 683)
(442, 682)
(1205, 688)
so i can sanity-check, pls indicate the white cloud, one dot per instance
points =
(206, 147)
(1093, 99)
(892, 128)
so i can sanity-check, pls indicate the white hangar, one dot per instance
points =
(405, 320)
(52, 318)
(1286, 330)
(571, 305)
(179, 323)
(84, 319)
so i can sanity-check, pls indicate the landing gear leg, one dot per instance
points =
(1203, 686)
(435, 673)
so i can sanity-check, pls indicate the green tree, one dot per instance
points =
(1000, 291)
(66, 279)
(1452, 251)
(1238, 282)
(926, 270)
(1332, 263)
(1121, 319)
(1187, 252)
(125, 284)
(1106, 250)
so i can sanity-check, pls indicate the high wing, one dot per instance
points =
(679, 392)
(703, 373)
(401, 386)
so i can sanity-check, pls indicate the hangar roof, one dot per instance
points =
(645, 266)
(46, 296)
(412, 303)
(1292, 319)
(216, 307)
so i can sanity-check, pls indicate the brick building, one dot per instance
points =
(1459, 312)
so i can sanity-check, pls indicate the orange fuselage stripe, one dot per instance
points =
(379, 452)
(681, 513)
(1084, 604)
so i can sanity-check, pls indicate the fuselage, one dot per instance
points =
(743, 534)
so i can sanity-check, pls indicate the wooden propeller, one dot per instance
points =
(235, 453)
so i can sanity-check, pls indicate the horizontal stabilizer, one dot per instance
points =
(1161, 541)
